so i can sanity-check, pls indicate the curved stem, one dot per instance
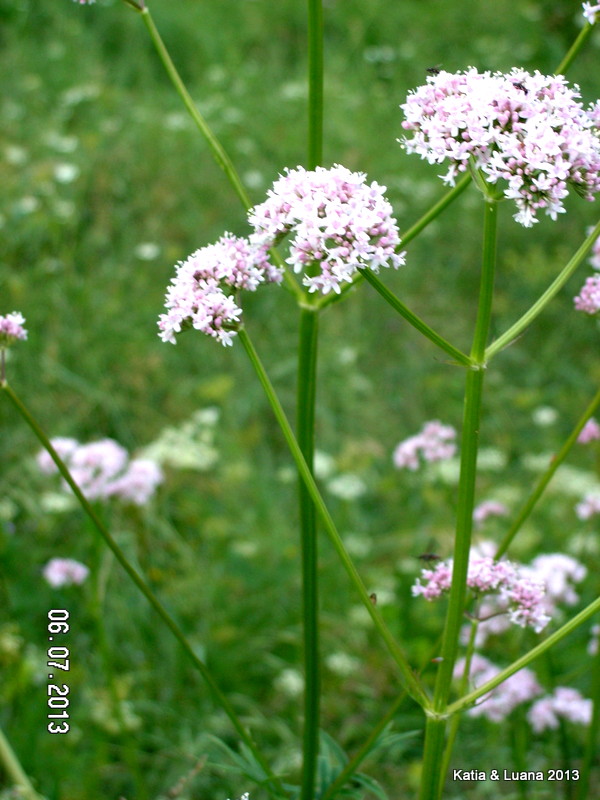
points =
(411, 682)
(540, 304)
(305, 427)
(536, 652)
(543, 482)
(414, 320)
(143, 587)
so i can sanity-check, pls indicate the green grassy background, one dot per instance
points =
(83, 87)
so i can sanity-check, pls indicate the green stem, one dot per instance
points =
(591, 746)
(455, 722)
(435, 727)
(315, 83)
(584, 35)
(305, 427)
(215, 146)
(414, 320)
(528, 658)
(14, 770)
(412, 684)
(143, 586)
(513, 332)
(543, 482)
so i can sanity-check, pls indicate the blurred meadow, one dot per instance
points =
(106, 183)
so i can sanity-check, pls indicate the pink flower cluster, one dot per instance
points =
(488, 508)
(501, 701)
(588, 299)
(564, 702)
(64, 572)
(530, 130)
(200, 293)
(589, 506)
(103, 470)
(85, 2)
(590, 432)
(508, 589)
(11, 329)
(590, 12)
(337, 223)
(435, 442)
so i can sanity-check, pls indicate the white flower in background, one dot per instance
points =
(60, 572)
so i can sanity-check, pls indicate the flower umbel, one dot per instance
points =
(103, 470)
(337, 222)
(200, 294)
(530, 130)
(588, 299)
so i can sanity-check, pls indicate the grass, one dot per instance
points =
(82, 87)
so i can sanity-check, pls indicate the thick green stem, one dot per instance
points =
(143, 586)
(543, 482)
(414, 320)
(455, 722)
(315, 83)
(14, 770)
(513, 332)
(435, 728)
(528, 658)
(305, 427)
(411, 682)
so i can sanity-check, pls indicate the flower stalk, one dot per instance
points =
(436, 725)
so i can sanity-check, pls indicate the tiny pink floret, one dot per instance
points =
(60, 572)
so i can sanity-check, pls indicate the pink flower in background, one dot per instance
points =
(64, 572)
(200, 294)
(590, 432)
(11, 329)
(507, 589)
(488, 508)
(498, 704)
(103, 469)
(589, 506)
(558, 572)
(588, 299)
(529, 130)
(564, 702)
(336, 222)
(435, 442)
(85, 2)
(590, 12)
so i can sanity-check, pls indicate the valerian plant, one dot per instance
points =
(519, 136)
